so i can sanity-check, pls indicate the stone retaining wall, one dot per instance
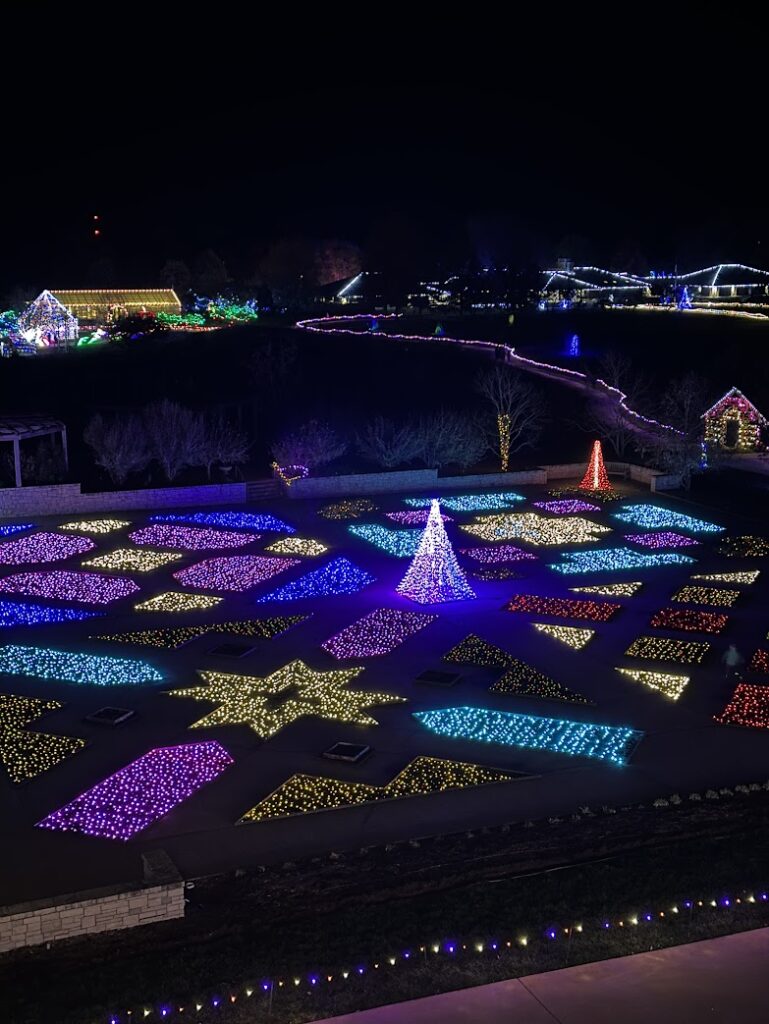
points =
(65, 499)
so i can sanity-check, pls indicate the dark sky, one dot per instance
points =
(631, 127)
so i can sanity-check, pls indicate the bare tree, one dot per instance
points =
(222, 444)
(119, 445)
(175, 436)
(388, 443)
(679, 450)
(447, 438)
(313, 444)
(518, 406)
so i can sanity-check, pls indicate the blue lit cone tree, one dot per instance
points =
(434, 575)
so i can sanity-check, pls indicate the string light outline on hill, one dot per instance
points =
(596, 478)
(434, 575)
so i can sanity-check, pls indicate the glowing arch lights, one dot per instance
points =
(434, 575)
(26, 754)
(305, 794)
(190, 538)
(81, 587)
(398, 543)
(655, 517)
(14, 613)
(230, 520)
(339, 576)
(67, 667)
(613, 744)
(233, 573)
(142, 792)
(43, 547)
(471, 502)
(377, 633)
(749, 706)
(613, 560)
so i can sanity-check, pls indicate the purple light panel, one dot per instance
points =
(567, 506)
(191, 538)
(239, 572)
(43, 547)
(142, 792)
(58, 585)
(500, 553)
(379, 632)
(414, 517)
(661, 539)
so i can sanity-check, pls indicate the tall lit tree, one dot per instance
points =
(434, 575)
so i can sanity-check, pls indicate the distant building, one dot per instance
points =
(591, 286)
(46, 322)
(363, 289)
(100, 305)
(734, 424)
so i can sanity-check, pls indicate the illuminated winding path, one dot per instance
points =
(598, 389)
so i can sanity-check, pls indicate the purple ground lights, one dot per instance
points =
(43, 547)
(567, 506)
(144, 791)
(238, 572)
(661, 539)
(379, 632)
(59, 585)
(190, 538)
(414, 517)
(500, 553)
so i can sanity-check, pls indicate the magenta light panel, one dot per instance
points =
(567, 506)
(190, 538)
(500, 553)
(379, 632)
(238, 572)
(43, 547)
(59, 585)
(661, 539)
(142, 792)
(414, 517)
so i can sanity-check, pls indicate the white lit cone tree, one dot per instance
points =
(434, 575)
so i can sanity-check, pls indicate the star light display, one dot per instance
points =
(760, 661)
(95, 525)
(305, 794)
(303, 547)
(669, 685)
(563, 607)
(729, 577)
(9, 530)
(177, 636)
(609, 589)
(69, 667)
(43, 547)
(610, 743)
(566, 506)
(659, 648)
(82, 587)
(190, 538)
(689, 620)
(536, 529)
(748, 706)
(377, 633)
(746, 546)
(614, 559)
(133, 560)
(716, 596)
(414, 517)
(14, 613)
(596, 478)
(295, 691)
(434, 575)
(350, 508)
(471, 502)
(141, 793)
(233, 573)
(257, 521)
(339, 576)
(398, 543)
(173, 601)
(655, 517)
(572, 636)
(662, 539)
(518, 679)
(24, 754)
(500, 553)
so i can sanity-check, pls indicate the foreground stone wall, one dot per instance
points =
(59, 499)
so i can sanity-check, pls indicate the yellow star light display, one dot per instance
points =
(668, 684)
(270, 704)
(536, 529)
(177, 601)
(95, 525)
(133, 560)
(176, 636)
(26, 754)
(609, 589)
(573, 636)
(714, 596)
(304, 794)
(749, 576)
(302, 546)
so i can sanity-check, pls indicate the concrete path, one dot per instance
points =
(722, 981)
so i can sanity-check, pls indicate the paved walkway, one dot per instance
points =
(722, 981)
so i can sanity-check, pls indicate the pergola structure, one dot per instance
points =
(15, 429)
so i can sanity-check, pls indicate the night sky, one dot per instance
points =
(639, 133)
